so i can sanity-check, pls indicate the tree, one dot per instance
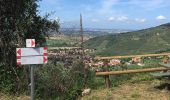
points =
(18, 21)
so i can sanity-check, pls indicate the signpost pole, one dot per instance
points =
(26, 56)
(32, 82)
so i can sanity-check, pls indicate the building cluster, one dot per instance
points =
(68, 56)
(102, 65)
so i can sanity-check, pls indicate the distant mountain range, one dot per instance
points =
(151, 40)
(89, 31)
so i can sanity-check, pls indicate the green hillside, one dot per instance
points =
(152, 40)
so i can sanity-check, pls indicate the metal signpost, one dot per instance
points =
(31, 56)
(32, 82)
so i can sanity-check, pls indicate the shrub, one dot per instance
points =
(58, 82)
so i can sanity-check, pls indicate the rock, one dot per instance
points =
(86, 92)
(127, 63)
(140, 64)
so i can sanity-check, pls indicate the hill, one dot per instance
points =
(151, 40)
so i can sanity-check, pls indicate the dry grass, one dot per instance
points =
(9, 97)
(136, 90)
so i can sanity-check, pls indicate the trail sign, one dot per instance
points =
(31, 55)
(30, 42)
(25, 60)
(31, 51)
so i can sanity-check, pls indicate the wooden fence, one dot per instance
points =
(131, 56)
(106, 74)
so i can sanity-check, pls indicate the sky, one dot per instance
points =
(108, 14)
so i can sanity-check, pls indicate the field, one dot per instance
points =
(65, 40)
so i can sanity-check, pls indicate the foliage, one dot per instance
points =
(58, 43)
(117, 80)
(18, 21)
(152, 40)
(58, 82)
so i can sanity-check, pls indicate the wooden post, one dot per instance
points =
(165, 59)
(107, 81)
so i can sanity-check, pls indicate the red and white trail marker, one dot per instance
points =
(30, 42)
(31, 55)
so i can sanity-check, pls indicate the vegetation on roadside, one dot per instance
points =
(61, 83)
(135, 89)
(119, 80)
(130, 86)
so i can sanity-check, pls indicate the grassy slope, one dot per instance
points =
(135, 89)
(139, 42)
(61, 41)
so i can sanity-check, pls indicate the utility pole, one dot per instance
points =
(82, 55)
(82, 39)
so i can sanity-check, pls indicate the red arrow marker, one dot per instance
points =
(18, 51)
(32, 43)
(45, 51)
(45, 59)
(45, 54)
(45, 48)
(18, 63)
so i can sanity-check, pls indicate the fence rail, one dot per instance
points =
(106, 74)
(131, 71)
(131, 56)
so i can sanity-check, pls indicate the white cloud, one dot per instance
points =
(122, 18)
(106, 6)
(94, 20)
(160, 17)
(140, 20)
(150, 4)
(111, 18)
(126, 19)
(119, 18)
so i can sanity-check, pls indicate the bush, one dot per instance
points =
(12, 81)
(57, 82)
